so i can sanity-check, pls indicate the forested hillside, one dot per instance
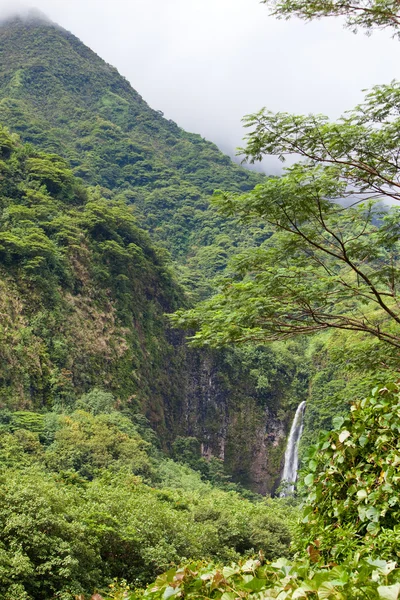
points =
(87, 495)
(83, 290)
(61, 97)
(104, 325)
(58, 94)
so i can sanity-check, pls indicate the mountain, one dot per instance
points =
(78, 99)
(89, 310)
(58, 94)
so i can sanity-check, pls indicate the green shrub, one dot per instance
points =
(44, 547)
(354, 482)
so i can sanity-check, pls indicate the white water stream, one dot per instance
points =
(291, 466)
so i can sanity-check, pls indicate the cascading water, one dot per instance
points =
(291, 466)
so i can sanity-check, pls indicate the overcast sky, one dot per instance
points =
(206, 63)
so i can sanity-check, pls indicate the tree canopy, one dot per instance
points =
(332, 261)
(365, 14)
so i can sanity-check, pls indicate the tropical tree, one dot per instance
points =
(365, 14)
(332, 258)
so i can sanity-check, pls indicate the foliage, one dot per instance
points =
(96, 402)
(343, 371)
(86, 288)
(332, 263)
(62, 97)
(60, 534)
(86, 444)
(44, 548)
(79, 443)
(369, 15)
(354, 492)
(76, 273)
(136, 512)
(256, 579)
(350, 522)
(86, 498)
(327, 266)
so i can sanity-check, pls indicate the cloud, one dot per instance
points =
(10, 10)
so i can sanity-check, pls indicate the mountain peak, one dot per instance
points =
(57, 93)
(26, 15)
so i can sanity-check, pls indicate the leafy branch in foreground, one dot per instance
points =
(363, 145)
(255, 579)
(367, 14)
(325, 268)
(333, 259)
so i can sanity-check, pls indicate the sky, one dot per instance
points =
(207, 63)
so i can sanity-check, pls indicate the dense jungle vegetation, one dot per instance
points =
(129, 463)
(83, 298)
(107, 319)
(65, 99)
(88, 496)
(60, 97)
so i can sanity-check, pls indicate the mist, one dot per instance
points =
(12, 10)
(207, 63)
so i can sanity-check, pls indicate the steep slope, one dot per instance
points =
(58, 94)
(82, 295)
(82, 300)
(51, 73)
(104, 326)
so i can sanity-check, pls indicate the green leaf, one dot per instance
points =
(312, 465)
(326, 590)
(372, 514)
(309, 479)
(229, 596)
(250, 565)
(344, 435)
(170, 591)
(389, 592)
(300, 592)
(373, 528)
(255, 584)
(229, 571)
(338, 422)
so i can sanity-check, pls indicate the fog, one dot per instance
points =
(207, 63)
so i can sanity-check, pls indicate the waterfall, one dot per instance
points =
(292, 451)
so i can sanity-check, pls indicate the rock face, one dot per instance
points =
(222, 408)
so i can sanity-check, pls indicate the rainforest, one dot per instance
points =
(199, 374)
